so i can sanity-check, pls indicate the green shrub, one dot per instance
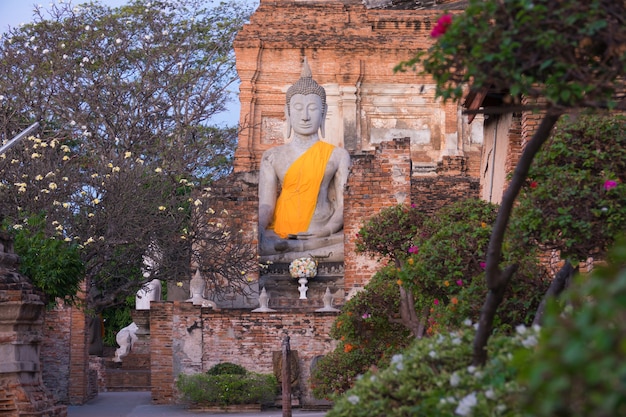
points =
(227, 368)
(446, 272)
(390, 232)
(368, 333)
(431, 378)
(227, 389)
(53, 265)
(579, 368)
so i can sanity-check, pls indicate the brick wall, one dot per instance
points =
(191, 339)
(55, 352)
(377, 180)
(451, 184)
(161, 353)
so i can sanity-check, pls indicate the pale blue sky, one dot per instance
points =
(14, 12)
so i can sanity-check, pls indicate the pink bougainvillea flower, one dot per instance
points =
(414, 249)
(459, 282)
(436, 302)
(442, 26)
(483, 265)
(366, 315)
(608, 184)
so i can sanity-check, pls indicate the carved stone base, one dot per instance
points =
(283, 292)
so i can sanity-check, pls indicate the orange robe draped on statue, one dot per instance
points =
(297, 201)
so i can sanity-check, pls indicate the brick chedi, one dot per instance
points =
(352, 51)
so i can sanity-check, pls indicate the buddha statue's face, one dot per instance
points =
(306, 113)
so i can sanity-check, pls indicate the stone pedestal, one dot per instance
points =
(283, 292)
(21, 318)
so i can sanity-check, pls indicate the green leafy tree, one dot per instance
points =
(127, 146)
(562, 56)
(390, 235)
(54, 266)
(575, 198)
(447, 272)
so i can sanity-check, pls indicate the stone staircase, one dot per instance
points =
(132, 374)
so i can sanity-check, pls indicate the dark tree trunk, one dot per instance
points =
(408, 315)
(496, 278)
(559, 283)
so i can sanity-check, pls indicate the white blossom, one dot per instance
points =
(466, 404)
(530, 341)
(454, 379)
(353, 399)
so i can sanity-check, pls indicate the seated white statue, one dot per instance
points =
(126, 338)
(151, 291)
(307, 217)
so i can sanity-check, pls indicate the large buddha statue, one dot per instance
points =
(307, 217)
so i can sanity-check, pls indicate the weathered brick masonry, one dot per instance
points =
(190, 339)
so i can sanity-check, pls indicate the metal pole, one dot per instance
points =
(18, 137)
(286, 377)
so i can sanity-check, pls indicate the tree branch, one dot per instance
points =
(495, 278)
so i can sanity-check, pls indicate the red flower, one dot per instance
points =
(442, 26)
(609, 184)
(436, 301)
(533, 184)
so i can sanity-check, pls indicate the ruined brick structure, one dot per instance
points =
(22, 392)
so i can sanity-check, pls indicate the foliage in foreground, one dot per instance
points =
(579, 369)
(575, 198)
(217, 388)
(573, 366)
(430, 378)
(562, 51)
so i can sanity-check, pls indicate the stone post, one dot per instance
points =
(22, 392)
(286, 377)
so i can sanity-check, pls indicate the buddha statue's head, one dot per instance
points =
(306, 91)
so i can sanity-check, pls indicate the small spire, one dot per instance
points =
(306, 70)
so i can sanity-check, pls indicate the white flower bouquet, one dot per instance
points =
(303, 268)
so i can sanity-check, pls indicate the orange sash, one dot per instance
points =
(297, 201)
